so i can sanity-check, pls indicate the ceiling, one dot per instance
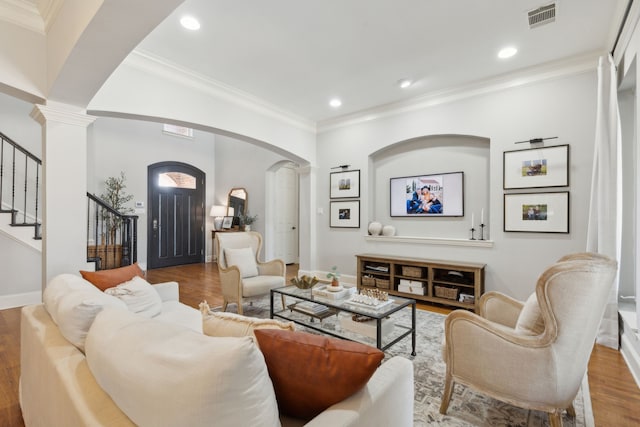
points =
(297, 55)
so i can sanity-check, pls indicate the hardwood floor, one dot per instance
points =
(614, 394)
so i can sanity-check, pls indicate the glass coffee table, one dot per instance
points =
(348, 320)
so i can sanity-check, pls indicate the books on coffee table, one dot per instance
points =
(311, 308)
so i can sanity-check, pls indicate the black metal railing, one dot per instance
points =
(20, 184)
(112, 237)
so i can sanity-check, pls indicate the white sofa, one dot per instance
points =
(59, 386)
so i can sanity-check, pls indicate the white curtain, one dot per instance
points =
(605, 211)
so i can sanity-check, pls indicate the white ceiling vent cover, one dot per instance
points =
(542, 15)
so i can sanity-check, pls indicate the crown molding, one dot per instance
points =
(150, 63)
(49, 10)
(532, 75)
(43, 114)
(22, 13)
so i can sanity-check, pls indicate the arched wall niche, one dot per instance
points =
(431, 154)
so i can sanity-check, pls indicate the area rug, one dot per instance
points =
(467, 408)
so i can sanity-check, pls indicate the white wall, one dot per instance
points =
(21, 266)
(563, 107)
(22, 60)
(17, 125)
(131, 146)
(240, 164)
(162, 90)
(432, 155)
(626, 103)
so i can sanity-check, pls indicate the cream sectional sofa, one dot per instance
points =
(126, 369)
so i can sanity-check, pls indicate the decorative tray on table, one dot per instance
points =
(371, 299)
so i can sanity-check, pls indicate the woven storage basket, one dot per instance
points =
(382, 283)
(448, 293)
(368, 281)
(411, 271)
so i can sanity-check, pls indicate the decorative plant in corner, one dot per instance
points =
(116, 197)
(246, 220)
(334, 275)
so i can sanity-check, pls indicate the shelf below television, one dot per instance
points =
(431, 241)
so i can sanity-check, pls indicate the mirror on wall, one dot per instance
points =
(237, 202)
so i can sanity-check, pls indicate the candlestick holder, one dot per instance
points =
(473, 230)
(482, 231)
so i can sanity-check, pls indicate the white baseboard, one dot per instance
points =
(19, 300)
(630, 338)
(630, 342)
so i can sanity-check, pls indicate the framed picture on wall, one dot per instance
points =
(227, 222)
(537, 212)
(345, 184)
(345, 214)
(536, 167)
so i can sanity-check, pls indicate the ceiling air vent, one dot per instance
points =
(542, 15)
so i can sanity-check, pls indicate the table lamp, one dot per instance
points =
(218, 212)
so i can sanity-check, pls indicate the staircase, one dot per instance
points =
(111, 236)
(20, 173)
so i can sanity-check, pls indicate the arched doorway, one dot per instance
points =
(176, 214)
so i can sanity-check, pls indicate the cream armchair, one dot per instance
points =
(242, 275)
(535, 354)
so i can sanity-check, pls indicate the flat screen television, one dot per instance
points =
(434, 195)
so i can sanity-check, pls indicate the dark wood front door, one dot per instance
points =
(175, 224)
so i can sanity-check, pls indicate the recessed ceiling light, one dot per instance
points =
(507, 52)
(335, 103)
(404, 83)
(190, 23)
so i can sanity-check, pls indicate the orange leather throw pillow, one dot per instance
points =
(312, 372)
(105, 279)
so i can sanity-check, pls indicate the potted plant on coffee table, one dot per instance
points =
(334, 275)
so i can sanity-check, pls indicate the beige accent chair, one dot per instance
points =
(250, 277)
(535, 354)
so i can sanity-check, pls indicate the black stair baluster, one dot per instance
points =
(13, 188)
(1, 167)
(26, 187)
(35, 219)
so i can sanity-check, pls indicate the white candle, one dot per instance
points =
(472, 220)
(482, 216)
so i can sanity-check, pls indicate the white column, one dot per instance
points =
(308, 229)
(64, 188)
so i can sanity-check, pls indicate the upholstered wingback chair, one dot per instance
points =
(242, 275)
(532, 354)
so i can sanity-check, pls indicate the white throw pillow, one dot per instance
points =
(160, 374)
(221, 324)
(244, 259)
(530, 320)
(139, 296)
(73, 304)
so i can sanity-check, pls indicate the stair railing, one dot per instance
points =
(20, 184)
(112, 237)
